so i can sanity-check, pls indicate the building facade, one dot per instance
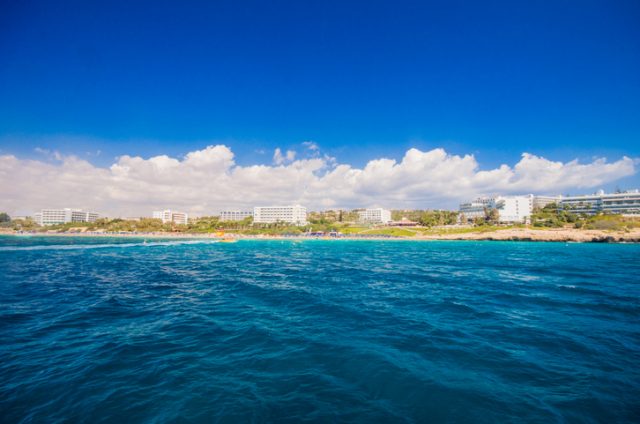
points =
(626, 203)
(375, 216)
(226, 216)
(474, 209)
(540, 202)
(514, 208)
(64, 216)
(510, 208)
(175, 217)
(294, 214)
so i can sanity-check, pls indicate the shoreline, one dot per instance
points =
(510, 234)
(545, 235)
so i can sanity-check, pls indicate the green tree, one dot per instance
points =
(5, 220)
(26, 224)
(552, 215)
(491, 215)
(431, 218)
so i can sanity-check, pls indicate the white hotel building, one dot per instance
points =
(475, 208)
(64, 216)
(375, 216)
(519, 208)
(510, 208)
(294, 214)
(540, 202)
(626, 203)
(226, 216)
(171, 216)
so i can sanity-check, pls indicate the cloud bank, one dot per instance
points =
(206, 181)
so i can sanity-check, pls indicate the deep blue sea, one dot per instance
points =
(115, 330)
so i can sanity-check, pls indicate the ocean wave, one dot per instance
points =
(104, 245)
(322, 332)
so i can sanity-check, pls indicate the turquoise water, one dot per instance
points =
(282, 331)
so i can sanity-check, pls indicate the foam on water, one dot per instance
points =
(277, 331)
(104, 245)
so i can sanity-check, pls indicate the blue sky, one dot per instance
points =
(363, 80)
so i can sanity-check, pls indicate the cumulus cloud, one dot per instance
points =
(311, 145)
(53, 155)
(279, 158)
(208, 180)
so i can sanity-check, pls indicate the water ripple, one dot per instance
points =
(277, 331)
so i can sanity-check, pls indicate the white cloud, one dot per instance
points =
(208, 180)
(280, 159)
(51, 155)
(311, 145)
(41, 151)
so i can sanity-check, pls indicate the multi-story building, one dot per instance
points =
(540, 202)
(514, 208)
(168, 215)
(63, 216)
(475, 209)
(294, 214)
(510, 208)
(626, 203)
(519, 208)
(226, 216)
(375, 216)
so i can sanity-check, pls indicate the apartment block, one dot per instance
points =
(64, 216)
(169, 215)
(294, 214)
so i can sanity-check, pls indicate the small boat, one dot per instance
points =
(228, 240)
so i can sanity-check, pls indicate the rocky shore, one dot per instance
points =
(558, 235)
(508, 234)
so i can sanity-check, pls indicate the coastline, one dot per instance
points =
(509, 234)
(545, 235)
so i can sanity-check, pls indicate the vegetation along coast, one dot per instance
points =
(547, 224)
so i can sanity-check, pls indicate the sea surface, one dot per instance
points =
(118, 330)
